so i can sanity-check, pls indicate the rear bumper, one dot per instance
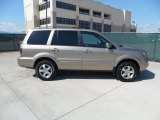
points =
(25, 62)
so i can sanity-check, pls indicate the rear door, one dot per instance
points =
(65, 46)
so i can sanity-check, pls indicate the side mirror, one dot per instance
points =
(108, 45)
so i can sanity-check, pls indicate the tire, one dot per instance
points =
(46, 70)
(127, 72)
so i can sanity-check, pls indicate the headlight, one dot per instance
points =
(144, 54)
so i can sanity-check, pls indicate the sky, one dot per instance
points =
(146, 14)
(11, 15)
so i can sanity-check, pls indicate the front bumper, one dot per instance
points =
(144, 65)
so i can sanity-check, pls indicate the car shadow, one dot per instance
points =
(62, 75)
(146, 75)
(94, 75)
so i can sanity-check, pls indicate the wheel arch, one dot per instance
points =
(44, 58)
(126, 60)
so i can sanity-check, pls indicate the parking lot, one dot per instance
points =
(76, 95)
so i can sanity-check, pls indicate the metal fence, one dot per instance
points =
(150, 42)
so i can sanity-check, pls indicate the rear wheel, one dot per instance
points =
(127, 72)
(46, 70)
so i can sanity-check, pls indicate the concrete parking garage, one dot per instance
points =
(76, 95)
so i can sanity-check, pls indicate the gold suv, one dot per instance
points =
(50, 50)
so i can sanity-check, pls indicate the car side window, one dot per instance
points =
(39, 37)
(66, 38)
(90, 39)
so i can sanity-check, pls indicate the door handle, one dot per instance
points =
(87, 51)
(55, 50)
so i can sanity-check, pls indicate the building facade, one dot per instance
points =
(84, 14)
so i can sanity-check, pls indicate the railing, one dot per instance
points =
(10, 42)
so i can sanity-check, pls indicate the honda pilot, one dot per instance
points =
(51, 50)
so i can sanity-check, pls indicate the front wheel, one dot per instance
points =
(46, 70)
(127, 72)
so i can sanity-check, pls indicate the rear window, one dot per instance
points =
(66, 38)
(39, 37)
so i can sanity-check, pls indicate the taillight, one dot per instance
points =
(20, 50)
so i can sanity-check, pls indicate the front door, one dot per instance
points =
(95, 55)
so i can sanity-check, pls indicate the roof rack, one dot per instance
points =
(51, 27)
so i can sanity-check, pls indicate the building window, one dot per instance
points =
(107, 16)
(132, 30)
(97, 26)
(96, 14)
(107, 28)
(66, 21)
(65, 6)
(84, 24)
(43, 6)
(44, 21)
(83, 11)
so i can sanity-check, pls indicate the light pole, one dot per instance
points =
(46, 13)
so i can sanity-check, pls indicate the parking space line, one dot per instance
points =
(19, 97)
(107, 92)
